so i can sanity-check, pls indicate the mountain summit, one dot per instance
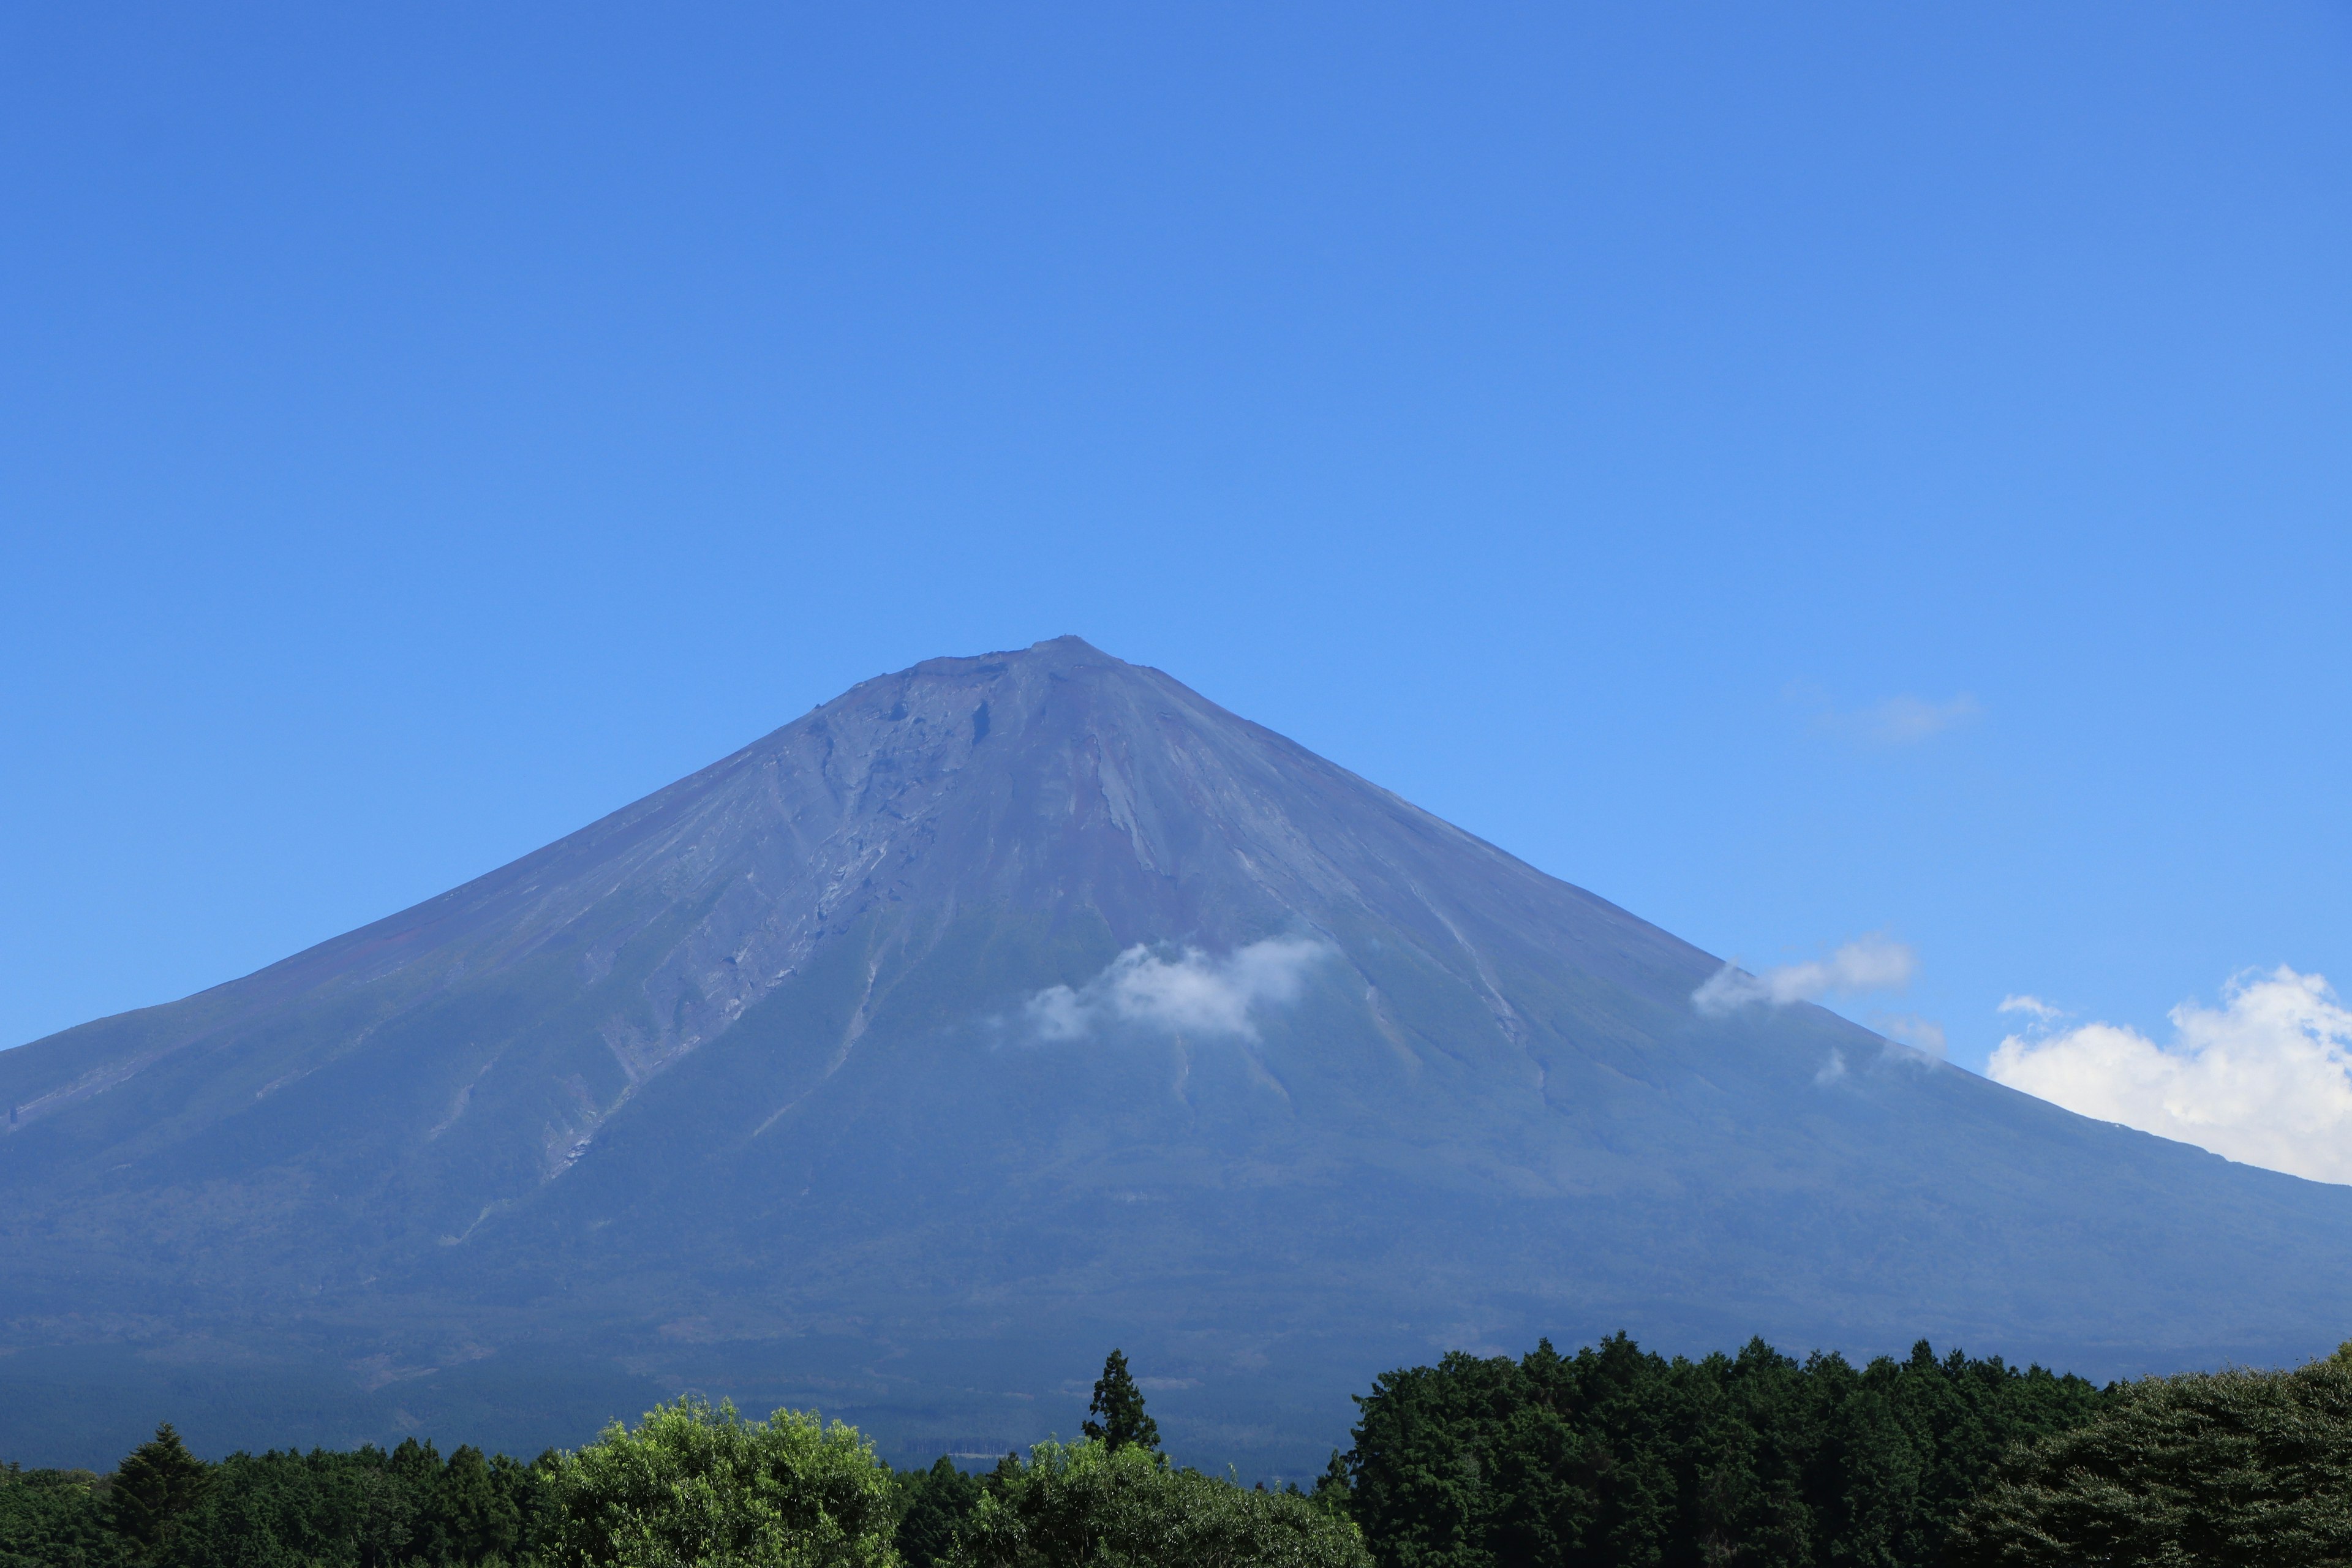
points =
(1001, 1010)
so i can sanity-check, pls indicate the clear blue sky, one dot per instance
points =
(425, 428)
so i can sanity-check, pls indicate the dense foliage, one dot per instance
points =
(933, 1506)
(54, 1519)
(1617, 1456)
(697, 1484)
(2222, 1469)
(1611, 1457)
(366, 1509)
(154, 1491)
(1090, 1505)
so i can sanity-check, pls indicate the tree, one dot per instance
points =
(478, 1518)
(155, 1488)
(54, 1519)
(933, 1506)
(1617, 1455)
(1120, 1404)
(2226, 1468)
(1086, 1505)
(694, 1485)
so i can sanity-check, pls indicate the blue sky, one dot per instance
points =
(1801, 473)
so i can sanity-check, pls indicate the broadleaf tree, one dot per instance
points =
(698, 1485)
(1088, 1505)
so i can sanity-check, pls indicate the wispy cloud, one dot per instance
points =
(1903, 720)
(1871, 963)
(1192, 992)
(2266, 1078)
(1924, 1036)
(1907, 720)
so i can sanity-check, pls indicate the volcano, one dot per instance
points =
(1002, 1011)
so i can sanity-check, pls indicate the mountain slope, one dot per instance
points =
(1004, 1009)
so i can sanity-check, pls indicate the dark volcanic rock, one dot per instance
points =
(999, 1011)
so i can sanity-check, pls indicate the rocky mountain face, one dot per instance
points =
(1001, 1011)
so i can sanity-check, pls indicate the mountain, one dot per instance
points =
(1001, 1011)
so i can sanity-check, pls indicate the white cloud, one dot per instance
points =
(1190, 994)
(2033, 1007)
(2266, 1078)
(1873, 963)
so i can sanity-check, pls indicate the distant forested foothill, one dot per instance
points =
(1609, 1456)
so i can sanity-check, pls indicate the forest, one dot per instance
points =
(1609, 1457)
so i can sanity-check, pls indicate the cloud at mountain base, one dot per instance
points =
(2264, 1079)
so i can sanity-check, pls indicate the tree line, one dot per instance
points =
(1611, 1457)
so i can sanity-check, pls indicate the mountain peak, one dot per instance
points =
(1062, 653)
(976, 695)
(1021, 677)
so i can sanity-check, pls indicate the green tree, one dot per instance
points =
(933, 1506)
(1332, 1492)
(1615, 1456)
(476, 1519)
(1119, 1402)
(694, 1485)
(1086, 1505)
(363, 1509)
(2230, 1467)
(54, 1519)
(158, 1485)
(263, 1510)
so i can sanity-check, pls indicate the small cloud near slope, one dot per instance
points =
(1871, 964)
(1193, 992)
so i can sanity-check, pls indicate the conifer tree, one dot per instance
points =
(158, 1484)
(1120, 1404)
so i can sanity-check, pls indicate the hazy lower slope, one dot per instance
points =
(820, 1075)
